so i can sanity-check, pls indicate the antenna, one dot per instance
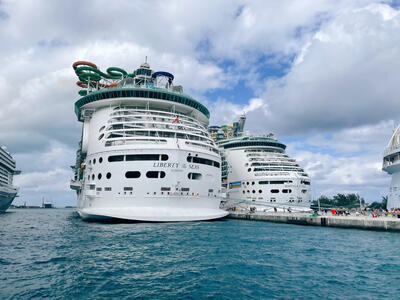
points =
(146, 59)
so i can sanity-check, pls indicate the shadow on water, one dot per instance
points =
(125, 221)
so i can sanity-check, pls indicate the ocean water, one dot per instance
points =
(52, 253)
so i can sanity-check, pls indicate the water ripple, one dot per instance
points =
(54, 254)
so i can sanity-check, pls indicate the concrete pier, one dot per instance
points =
(359, 222)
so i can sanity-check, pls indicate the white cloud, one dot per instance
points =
(346, 76)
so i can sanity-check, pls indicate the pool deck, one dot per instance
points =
(358, 222)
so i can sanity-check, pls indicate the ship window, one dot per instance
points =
(203, 161)
(92, 176)
(165, 189)
(88, 177)
(260, 191)
(253, 183)
(263, 182)
(98, 189)
(108, 175)
(254, 191)
(94, 161)
(305, 182)
(132, 174)
(92, 186)
(277, 182)
(304, 191)
(286, 191)
(107, 189)
(211, 190)
(194, 176)
(128, 188)
(136, 157)
(185, 189)
(101, 136)
(274, 191)
(155, 174)
(116, 158)
(249, 169)
(244, 192)
(102, 128)
(100, 160)
(142, 157)
(99, 176)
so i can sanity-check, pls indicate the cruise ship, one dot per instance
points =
(7, 170)
(391, 165)
(145, 153)
(257, 170)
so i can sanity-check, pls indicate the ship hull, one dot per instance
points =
(5, 200)
(156, 209)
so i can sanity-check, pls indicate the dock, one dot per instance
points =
(357, 222)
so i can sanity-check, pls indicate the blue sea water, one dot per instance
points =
(52, 253)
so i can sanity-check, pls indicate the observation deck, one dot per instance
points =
(138, 91)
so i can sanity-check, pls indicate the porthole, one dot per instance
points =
(94, 161)
(253, 183)
(244, 192)
(274, 191)
(249, 169)
(260, 191)
(99, 176)
(108, 175)
(101, 136)
(100, 160)
(254, 191)
(248, 183)
(92, 176)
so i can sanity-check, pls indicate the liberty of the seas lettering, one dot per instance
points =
(165, 165)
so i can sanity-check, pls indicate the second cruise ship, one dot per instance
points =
(145, 153)
(257, 170)
(7, 170)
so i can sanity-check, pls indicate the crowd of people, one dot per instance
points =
(374, 213)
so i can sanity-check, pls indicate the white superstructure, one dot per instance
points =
(391, 165)
(7, 170)
(257, 170)
(145, 152)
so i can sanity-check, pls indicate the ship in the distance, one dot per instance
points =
(391, 165)
(257, 170)
(7, 170)
(145, 153)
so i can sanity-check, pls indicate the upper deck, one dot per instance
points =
(143, 84)
(252, 141)
(391, 156)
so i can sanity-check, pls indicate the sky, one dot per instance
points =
(324, 76)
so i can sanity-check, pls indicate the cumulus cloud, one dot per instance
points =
(347, 75)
